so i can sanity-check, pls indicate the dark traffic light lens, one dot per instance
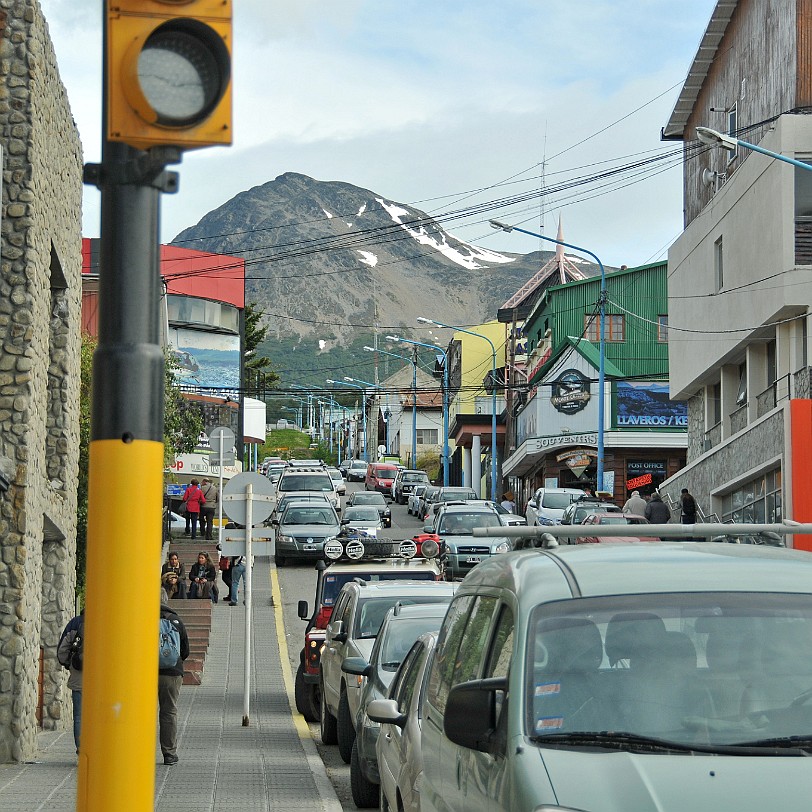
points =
(183, 72)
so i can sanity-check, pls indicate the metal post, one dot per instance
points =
(249, 523)
(120, 701)
(414, 408)
(220, 499)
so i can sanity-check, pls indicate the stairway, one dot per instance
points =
(195, 614)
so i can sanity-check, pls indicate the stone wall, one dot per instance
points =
(40, 307)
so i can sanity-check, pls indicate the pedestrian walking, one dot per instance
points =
(69, 653)
(688, 507)
(211, 493)
(194, 499)
(508, 502)
(169, 681)
(657, 512)
(237, 574)
(635, 504)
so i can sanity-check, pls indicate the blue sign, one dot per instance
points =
(175, 490)
(648, 406)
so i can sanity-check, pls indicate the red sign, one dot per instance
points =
(638, 481)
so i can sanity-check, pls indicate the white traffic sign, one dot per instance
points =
(221, 438)
(235, 498)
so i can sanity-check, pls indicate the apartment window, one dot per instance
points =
(741, 395)
(772, 363)
(758, 500)
(662, 329)
(614, 330)
(715, 410)
(426, 436)
(732, 126)
(718, 264)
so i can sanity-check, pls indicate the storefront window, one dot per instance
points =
(756, 501)
(644, 475)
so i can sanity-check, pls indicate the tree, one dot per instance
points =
(258, 368)
(183, 419)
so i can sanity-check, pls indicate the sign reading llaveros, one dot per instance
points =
(197, 465)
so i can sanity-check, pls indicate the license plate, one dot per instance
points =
(308, 547)
(473, 559)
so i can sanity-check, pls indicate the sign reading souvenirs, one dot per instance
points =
(570, 392)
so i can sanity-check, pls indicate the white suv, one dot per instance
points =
(303, 480)
(547, 505)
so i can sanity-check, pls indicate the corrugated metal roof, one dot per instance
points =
(708, 47)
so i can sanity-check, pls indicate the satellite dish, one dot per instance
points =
(708, 177)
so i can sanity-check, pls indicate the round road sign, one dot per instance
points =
(235, 506)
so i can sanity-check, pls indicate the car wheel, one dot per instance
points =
(327, 722)
(307, 697)
(364, 792)
(279, 560)
(346, 732)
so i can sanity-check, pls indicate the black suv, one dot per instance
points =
(405, 482)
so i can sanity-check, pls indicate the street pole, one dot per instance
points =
(602, 346)
(414, 408)
(249, 524)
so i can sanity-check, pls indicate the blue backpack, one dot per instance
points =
(169, 644)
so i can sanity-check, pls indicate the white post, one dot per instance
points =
(220, 500)
(476, 464)
(249, 521)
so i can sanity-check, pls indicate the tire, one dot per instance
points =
(279, 560)
(327, 722)
(308, 700)
(365, 794)
(346, 732)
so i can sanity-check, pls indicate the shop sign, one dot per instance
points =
(648, 405)
(577, 460)
(643, 473)
(570, 392)
(551, 442)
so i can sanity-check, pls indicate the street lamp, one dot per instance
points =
(424, 320)
(602, 353)
(729, 142)
(413, 362)
(364, 407)
(445, 395)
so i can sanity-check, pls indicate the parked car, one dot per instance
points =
(547, 505)
(612, 518)
(400, 758)
(343, 466)
(302, 529)
(405, 482)
(362, 517)
(454, 525)
(356, 619)
(400, 629)
(413, 502)
(379, 477)
(652, 669)
(338, 481)
(447, 494)
(308, 478)
(373, 498)
(575, 512)
(356, 471)
(330, 578)
(425, 501)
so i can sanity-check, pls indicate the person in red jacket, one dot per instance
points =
(194, 499)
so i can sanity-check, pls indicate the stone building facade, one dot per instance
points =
(40, 302)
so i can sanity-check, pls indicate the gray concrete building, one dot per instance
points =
(40, 307)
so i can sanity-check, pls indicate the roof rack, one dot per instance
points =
(356, 545)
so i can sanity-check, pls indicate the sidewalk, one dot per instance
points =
(270, 765)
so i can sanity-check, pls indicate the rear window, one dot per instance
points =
(400, 637)
(372, 611)
(333, 582)
(384, 472)
(452, 494)
(462, 524)
(556, 501)
(306, 482)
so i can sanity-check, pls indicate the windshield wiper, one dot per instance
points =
(622, 740)
(799, 742)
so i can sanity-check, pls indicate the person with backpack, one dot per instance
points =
(173, 650)
(69, 652)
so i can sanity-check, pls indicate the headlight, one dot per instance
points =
(504, 547)
(543, 520)
(429, 548)
(287, 539)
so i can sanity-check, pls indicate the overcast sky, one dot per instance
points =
(425, 102)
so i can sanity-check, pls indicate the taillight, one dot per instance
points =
(323, 617)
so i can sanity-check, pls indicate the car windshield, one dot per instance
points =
(306, 482)
(357, 514)
(619, 519)
(452, 494)
(462, 524)
(297, 515)
(419, 490)
(400, 637)
(333, 581)
(556, 501)
(415, 477)
(693, 669)
(373, 610)
(368, 499)
(336, 475)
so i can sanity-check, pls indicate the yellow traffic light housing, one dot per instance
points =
(168, 73)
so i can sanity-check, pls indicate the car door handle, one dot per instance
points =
(388, 737)
(459, 772)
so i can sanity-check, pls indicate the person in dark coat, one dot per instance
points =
(169, 682)
(688, 507)
(657, 512)
(203, 578)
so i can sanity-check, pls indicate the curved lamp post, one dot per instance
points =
(445, 396)
(602, 353)
(350, 381)
(423, 320)
(363, 406)
(413, 362)
(729, 142)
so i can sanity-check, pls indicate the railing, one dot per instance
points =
(712, 437)
(676, 508)
(738, 419)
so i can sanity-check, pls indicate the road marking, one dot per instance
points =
(327, 793)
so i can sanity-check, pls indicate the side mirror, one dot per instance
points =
(385, 711)
(345, 521)
(428, 528)
(469, 718)
(532, 504)
(356, 665)
(336, 630)
(302, 610)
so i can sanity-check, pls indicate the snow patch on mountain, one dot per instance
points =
(368, 258)
(329, 216)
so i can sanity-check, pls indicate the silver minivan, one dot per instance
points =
(623, 678)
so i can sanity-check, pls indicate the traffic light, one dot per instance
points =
(168, 73)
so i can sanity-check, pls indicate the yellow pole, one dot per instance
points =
(120, 675)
